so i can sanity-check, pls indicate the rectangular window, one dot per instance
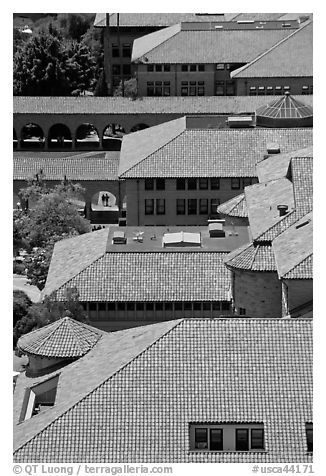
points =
(178, 306)
(180, 184)
(159, 306)
(181, 206)
(215, 183)
(158, 68)
(184, 67)
(92, 306)
(149, 184)
(184, 88)
(246, 181)
(111, 306)
(241, 439)
(309, 434)
(203, 206)
(192, 206)
(126, 69)
(166, 88)
(252, 91)
(261, 90)
(197, 306)
(193, 67)
(115, 69)
(216, 439)
(160, 206)
(149, 206)
(214, 204)
(168, 306)
(201, 438)
(286, 89)
(126, 50)
(230, 88)
(192, 184)
(242, 311)
(130, 306)
(160, 184)
(139, 306)
(225, 306)
(305, 90)
(115, 50)
(203, 183)
(192, 89)
(220, 66)
(121, 306)
(206, 306)
(150, 88)
(278, 90)
(150, 68)
(201, 88)
(158, 91)
(187, 306)
(257, 439)
(201, 67)
(269, 90)
(216, 306)
(149, 306)
(102, 306)
(167, 68)
(219, 88)
(235, 183)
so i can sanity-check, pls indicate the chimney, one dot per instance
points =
(282, 210)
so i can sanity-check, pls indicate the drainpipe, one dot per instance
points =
(138, 212)
(285, 298)
(107, 56)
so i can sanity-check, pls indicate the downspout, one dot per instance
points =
(138, 211)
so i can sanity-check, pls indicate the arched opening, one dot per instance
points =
(59, 137)
(15, 141)
(103, 200)
(139, 127)
(112, 136)
(32, 137)
(87, 136)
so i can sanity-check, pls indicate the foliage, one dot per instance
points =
(37, 265)
(101, 88)
(43, 313)
(81, 68)
(130, 89)
(21, 304)
(74, 25)
(19, 226)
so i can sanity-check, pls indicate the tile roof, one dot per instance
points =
(88, 166)
(277, 165)
(201, 152)
(147, 276)
(262, 200)
(291, 57)
(154, 19)
(137, 397)
(293, 250)
(205, 46)
(252, 257)
(65, 338)
(236, 207)
(145, 105)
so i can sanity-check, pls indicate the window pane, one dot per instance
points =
(181, 206)
(220, 66)
(203, 206)
(121, 306)
(225, 305)
(139, 306)
(184, 67)
(126, 50)
(309, 439)
(167, 68)
(215, 183)
(126, 69)
(102, 306)
(159, 306)
(214, 204)
(181, 184)
(130, 306)
(115, 50)
(235, 183)
(160, 184)
(216, 439)
(219, 88)
(192, 206)
(203, 183)
(160, 206)
(149, 184)
(192, 184)
(201, 442)
(187, 306)
(149, 306)
(92, 306)
(178, 306)
(193, 67)
(150, 68)
(116, 69)
(241, 440)
(257, 439)
(149, 206)
(201, 67)
(197, 306)
(246, 181)
(168, 306)
(206, 306)
(216, 306)
(158, 67)
(111, 306)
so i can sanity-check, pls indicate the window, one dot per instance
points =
(158, 68)
(192, 89)
(246, 181)
(126, 50)
(197, 306)
(139, 306)
(220, 66)
(149, 206)
(201, 67)
(168, 306)
(102, 306)
(150, 88)
(160, 184)
(181, 206)
(206, 306)
(241, 439)
(309, 435)
(149, 306)
(215, 183)
(130, 306)
(192, 184)
(180, 184)
(115, 69)
(269, 90)
(242, 311)
(92, 306)
(192, 206)
(252, 91)
(216, 306)
(126, 69)
(226, 437)
(225, 306)
(203, 206)
(178, 306)
(230, 88)
(187, 306)
(166, 88)
(214, 204)
(235, 183)
(184, 67)
(261, 90)
(158, 91)
(150, 68)
(167, 68)
(159, 306)
(149, 184)
(305, 90)
(111, 306)
(278, 90)
(121, 306)
(201, 88)
(219, 88)
(160, 206)
(286, 89)
(39, 398)
(184, 88)
(203, 183)
(115, 50)
(192, 67)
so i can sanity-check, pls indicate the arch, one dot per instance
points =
(15, 141)
(59, 137)
(103, 199)
(87, 136)
(139, 127)
(112, 136)
(32, 136)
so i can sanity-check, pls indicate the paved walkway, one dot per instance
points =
(20, 283)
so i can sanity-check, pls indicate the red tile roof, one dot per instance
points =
(236, 207)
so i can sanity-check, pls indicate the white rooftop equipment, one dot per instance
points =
(119, 238)
(181, 239)
(216, 230)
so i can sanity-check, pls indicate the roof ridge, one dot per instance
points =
(277, 223)
(70, 324)
(243, 68)
(175, 324)
(256, 248)
(56, 327)
(310, 255)
(174, 30)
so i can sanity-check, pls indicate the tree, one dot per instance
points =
(40, 65)
(101, 88)
(80, 68)
(21, 304)
(130, 89)
(74, 25)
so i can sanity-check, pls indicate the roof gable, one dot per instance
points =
(236, 207)
(140, 45)
(277, 165)
(292, 56)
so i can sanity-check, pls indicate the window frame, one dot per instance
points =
(180, 206)
(160, 184)
(235, 183)
(149, 184)
(192, 206)
(203, 206)
(160, 206)
(149, 206)
(309, 441)
(180, 184)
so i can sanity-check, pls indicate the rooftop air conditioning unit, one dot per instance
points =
(119, 238)
(216, 230)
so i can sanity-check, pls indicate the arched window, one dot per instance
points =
(138, 127)
(87, 137)
(59, 137)
(15, 141)
(32, 137)
(112, 136)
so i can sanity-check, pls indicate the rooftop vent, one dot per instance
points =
(273, 148)
(216, 230)
(282, 210)
(119, 238)
(181, 239)
(303, 224)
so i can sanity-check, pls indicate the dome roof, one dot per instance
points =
(65, 338)
(285, 112)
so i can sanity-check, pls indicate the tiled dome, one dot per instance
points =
(65, 338)
(285, 112)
